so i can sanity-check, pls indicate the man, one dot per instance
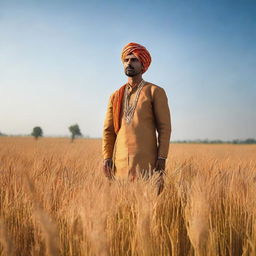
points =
(135, 112)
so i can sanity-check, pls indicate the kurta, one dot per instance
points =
(137, 145)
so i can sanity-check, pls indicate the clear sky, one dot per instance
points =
(60, 61)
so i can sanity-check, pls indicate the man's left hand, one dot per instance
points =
(160, 165)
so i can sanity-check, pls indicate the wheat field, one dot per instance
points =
(54, 200)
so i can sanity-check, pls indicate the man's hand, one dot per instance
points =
(107, 167)
(160, 165)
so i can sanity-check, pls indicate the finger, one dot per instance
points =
(106, 171)
(157, 165)
(162, 165)
(106, 163)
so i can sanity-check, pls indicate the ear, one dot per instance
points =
(142, 68)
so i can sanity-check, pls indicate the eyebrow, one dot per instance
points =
(132, 58)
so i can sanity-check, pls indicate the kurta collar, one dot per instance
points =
(130, 88)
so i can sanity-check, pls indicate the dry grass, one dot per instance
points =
(54, 200)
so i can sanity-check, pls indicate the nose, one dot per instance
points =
(129, 64)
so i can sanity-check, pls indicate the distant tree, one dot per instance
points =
(75, 131)
(37, 132)
(250, 141)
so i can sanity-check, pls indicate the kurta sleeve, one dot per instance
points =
(163, 121)
(109, 135)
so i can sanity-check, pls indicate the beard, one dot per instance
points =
(131, 72)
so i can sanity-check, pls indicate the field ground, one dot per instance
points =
(54, 200)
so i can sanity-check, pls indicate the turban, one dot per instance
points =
(140, 52)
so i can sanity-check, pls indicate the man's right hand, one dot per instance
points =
(107, 167)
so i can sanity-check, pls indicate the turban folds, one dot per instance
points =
(140, 52)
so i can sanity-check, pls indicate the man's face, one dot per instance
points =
(132, 66)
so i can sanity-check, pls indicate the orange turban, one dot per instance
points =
(140, 52)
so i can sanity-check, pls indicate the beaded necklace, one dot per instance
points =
(130, 108)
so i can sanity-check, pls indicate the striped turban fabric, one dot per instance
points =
(140, 52)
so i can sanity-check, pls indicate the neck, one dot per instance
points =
(135, 80)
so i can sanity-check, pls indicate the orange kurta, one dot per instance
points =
(137, 145)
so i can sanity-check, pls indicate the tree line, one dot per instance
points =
(38, 132)
(75, 132)
(206, 141)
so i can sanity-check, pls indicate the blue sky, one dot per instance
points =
(60, 61)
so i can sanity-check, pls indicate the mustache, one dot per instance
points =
(129, 67)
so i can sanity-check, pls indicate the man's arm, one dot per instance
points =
(163, 121)
(109, 135)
